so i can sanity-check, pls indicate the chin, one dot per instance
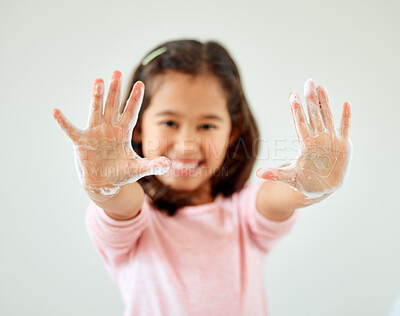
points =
(186, 184)
(184, 187)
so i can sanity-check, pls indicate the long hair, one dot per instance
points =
(193, 57)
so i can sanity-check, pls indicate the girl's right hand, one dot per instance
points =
(103, 151)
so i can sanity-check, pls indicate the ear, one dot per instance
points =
(235, 133)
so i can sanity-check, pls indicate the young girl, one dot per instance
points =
(179, 229)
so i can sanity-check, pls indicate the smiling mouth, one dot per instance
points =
(185, 168)
(176, 164)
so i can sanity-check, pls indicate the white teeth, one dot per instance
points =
(184, 166)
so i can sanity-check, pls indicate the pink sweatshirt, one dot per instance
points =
(206, 260)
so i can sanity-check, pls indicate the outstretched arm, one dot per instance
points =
(322, 162)
(108, 168)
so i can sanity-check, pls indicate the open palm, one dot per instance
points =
(324, 155)
(104, 155)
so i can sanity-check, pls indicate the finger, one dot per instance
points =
(130, 115)
(96, 103)
(145, 167)
(313, 105)
(301, 125)
(346, 116)
(286, 175)
(72, 132)
(324, 108)
(113, 97)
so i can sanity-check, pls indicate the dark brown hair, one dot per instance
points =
(193, 57)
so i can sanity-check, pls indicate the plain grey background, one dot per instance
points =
(343, 255)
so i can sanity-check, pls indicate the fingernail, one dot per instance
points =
(347, 110)
(259, 173)
(160, 165)
(161, 162)
(309, 87)
(293, 98)
(115, 82)
(265, 173)
(138, 91)
(116, 74)
(99, 89)
(310, 82)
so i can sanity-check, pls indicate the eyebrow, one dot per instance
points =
(208, 116)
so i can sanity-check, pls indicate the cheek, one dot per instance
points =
(215, 149)
(154, 143)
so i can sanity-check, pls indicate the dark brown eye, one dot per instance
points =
(169, 123)
(207, 126)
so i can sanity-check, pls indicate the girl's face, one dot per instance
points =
(187, 121)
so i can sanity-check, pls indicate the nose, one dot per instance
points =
(187, 141)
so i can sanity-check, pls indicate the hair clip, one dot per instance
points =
(153, 55)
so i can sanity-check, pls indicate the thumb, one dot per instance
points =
(286, 175)
(145, 167)
(72, 131)
(159, 165)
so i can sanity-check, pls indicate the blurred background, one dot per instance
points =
(343, 255)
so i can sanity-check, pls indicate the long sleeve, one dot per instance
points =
(115, 240)
(263, 231)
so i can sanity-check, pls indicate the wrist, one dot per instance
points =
(307, 199)
(123, 204)
(120, 217)
(103, 193)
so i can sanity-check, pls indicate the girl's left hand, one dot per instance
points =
(324, 155)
